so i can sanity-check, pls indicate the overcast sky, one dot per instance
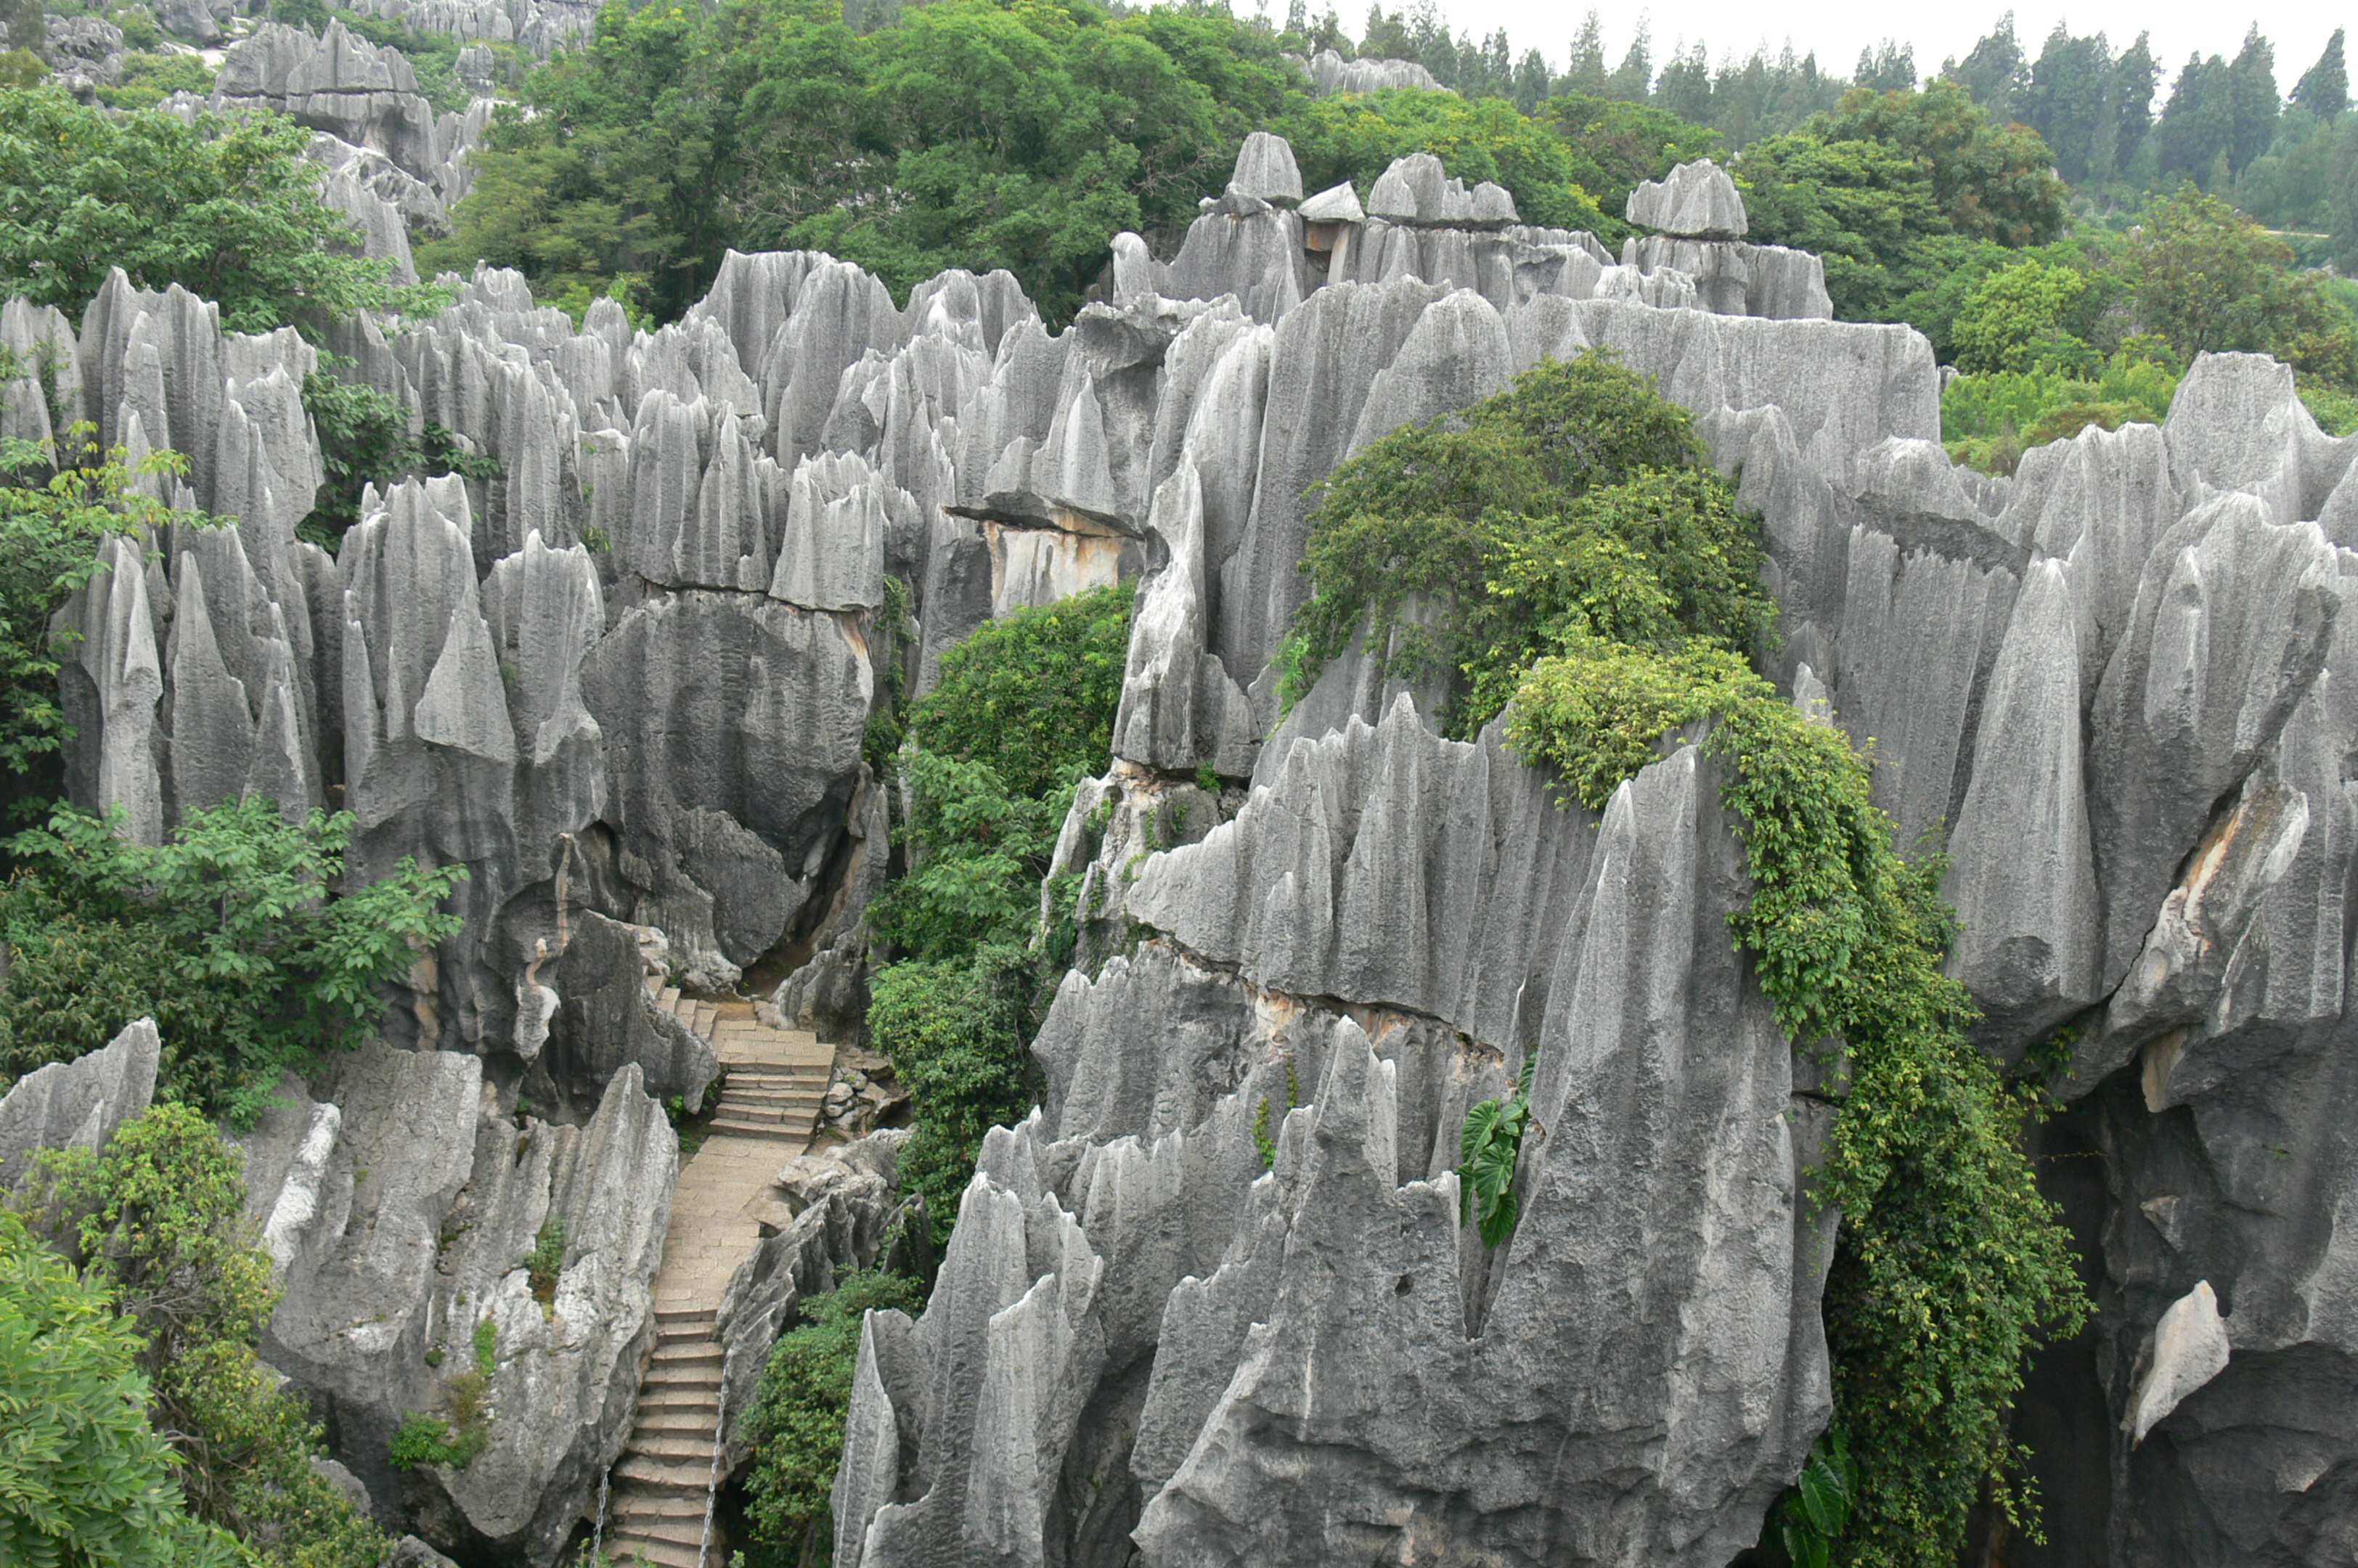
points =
(1838, 29)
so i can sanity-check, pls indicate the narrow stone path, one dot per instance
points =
(768, 1108)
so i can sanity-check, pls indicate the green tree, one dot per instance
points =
(1867, 208)
(2324, 88)
(159, 1217)
(2251, 100)
(239, 936)
(794, 1425)
(1614, 145)
(1996, 73)
(84, 1480)
(1356, 136)
(1992, 181)
(2209, 278)
(229, 209)
(2021, 316)
(2136, 77)
(2197, 129)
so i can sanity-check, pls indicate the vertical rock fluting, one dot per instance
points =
(625, 682)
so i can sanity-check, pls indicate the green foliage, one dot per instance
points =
(364, 437)
(1356, 136)
(228, 208)
(149, 79)
(1990, 418)
(1573, 505)
(2021, 316)
(2209, 278)
(1812, 1515)
(487, 1345)
(1488, 1145)
(160, 1218)
(238, 937)
(1032, 694)
(1263, 1144)
(1019, 136)
(1951, 1266)
(794, 1425)
(954, 1029)
(83, 1477)
(58, 501)
(542, 1265)
(421, 1440)
(1615, 145)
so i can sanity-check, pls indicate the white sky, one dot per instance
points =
(1838, 29)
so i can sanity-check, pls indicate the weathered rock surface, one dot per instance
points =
(400, 1208)
(1696, 200)
(626, 684)
(77, 1104)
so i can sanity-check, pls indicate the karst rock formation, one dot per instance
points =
(625, 684)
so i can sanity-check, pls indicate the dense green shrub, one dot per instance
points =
(149, 79)
(955, 1030)
(228, 208)
(1032, 693)
(1574, 504)
(1989, 419)
(794, 1425)
(160, 1218)
(365, 439)
(239, 936)
(1022, 711)
(84, 1476)
(1949, 1265)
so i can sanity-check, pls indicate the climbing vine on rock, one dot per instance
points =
(1566, 557)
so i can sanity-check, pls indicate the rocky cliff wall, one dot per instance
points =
(625, 682)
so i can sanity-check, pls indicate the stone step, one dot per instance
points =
(779, 1132)
(695, 1422)
(667, 1553)
(687, 1450)
(664, 1476)
(690, 1353)
(667, 998)
(777, 1093)
(677, 1396)
(633, 1509)
(683, 1528)
(697, 1327)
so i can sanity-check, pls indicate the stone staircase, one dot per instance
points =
(765, 1117)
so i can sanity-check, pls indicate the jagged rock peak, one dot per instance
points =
(1266, 170)
(1417, 192)
(1696, 200)
(78, 1104)
(1330, 73)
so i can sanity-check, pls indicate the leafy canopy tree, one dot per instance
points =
(1356, 136)
(229, 209)
(238, 937)
(84, 1479)
(1019, 135)
(1612, 146)
(2209, 278)
(159, 1217)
